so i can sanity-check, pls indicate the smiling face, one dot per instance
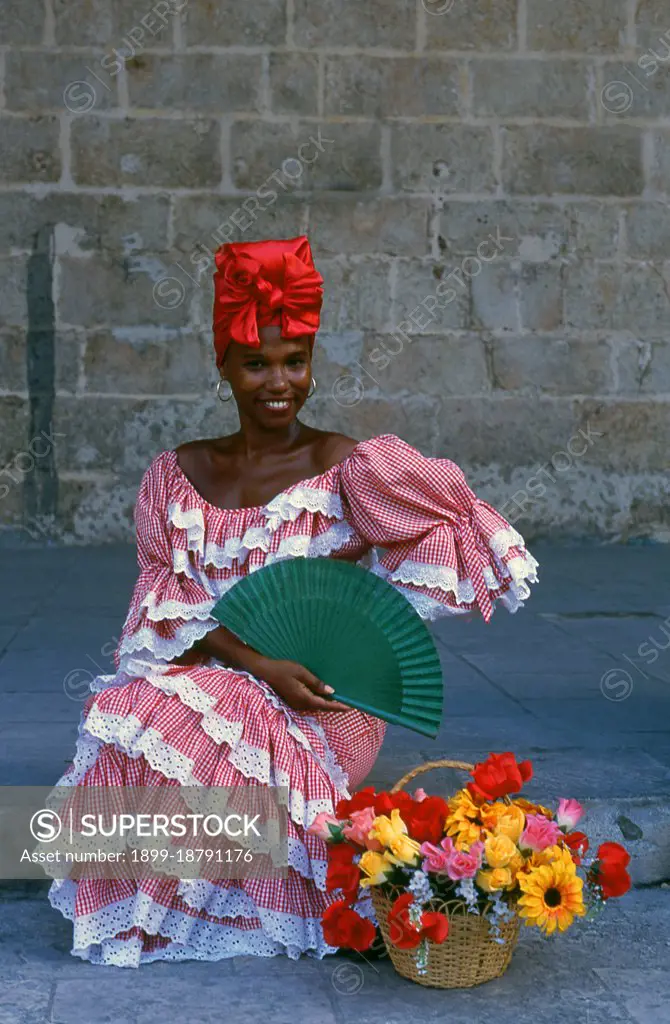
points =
(270, 383)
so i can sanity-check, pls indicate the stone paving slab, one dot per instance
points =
(614, 969)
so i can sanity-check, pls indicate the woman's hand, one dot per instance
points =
(301, 690)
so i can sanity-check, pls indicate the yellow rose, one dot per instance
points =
(499, 851)
(375, 867)
(406, 850)
(387, 829)
(504, 820)
(492, 881)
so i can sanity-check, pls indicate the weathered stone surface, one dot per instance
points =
(660, 167)
(42, 81)
(637, 422)
(555, 366)
(457, 25)
(203, 223)
(636, 89)
(84, 222)
(597, 26)
(338, 157)
(540, 297)
(137, 151)
(21, 21)
(594, 230)
(339, 22)
(428, 299)
(530, 88)
(509, 297)
(294, 83)
(12, 357)
(393, 226)
(97, 440)
(495, 304)
(596, 161)
(357, 411)
(534, 232)
(651, 26)
(13, 282)
(119, 291)
(29, 149)
(231, 24)
(648, 231)
(438, 364)
(356, 295)
(14, 435)
(203, 82)
(455, 158)
(122, 27)
(631, 298)
(504, 430)
(148, 361)
(643, 366)
(391, 87)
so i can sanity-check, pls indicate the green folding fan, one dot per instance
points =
(350, 628)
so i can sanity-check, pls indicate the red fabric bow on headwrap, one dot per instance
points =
(262, 283)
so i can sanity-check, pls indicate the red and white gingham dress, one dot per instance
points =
(155, 723)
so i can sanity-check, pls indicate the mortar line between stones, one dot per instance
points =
(49, 30)
(522, 26)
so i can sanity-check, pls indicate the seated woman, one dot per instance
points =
(190, 704)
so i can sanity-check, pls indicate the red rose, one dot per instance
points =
(342, 926)
(358, 802)
(387, 802)
(405, 935)
(434, 926)
(342, 873)
(578, 844)
(425, 820)
(609, 870)
(499, 775)
(402, 932)
(614, 855)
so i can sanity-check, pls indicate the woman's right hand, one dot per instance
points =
(299, 687)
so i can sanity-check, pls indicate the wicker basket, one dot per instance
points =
(469, 956)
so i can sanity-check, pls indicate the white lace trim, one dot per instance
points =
(167, 648)
(157, 610)
(192, 521)
(192, 938)
(312, 499)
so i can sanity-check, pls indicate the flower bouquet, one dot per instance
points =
(451, 880)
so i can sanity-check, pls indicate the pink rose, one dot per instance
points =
(319, 826)
(437, 857)
(568, 814)
(357, 832)
(465, 865)
(539, 833)
(419, 794)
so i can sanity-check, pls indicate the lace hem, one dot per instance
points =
(191, 938)
(166, 648)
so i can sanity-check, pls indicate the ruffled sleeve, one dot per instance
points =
(447, 550)
(169, 611)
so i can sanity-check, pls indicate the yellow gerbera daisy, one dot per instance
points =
(530, 808)
(552, 896)
(463, 824)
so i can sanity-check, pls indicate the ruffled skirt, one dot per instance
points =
(209, 725)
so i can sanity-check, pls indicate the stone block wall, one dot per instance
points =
(485, 185)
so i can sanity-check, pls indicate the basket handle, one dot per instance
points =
(420, 769)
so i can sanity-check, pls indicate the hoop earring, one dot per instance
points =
(310, 393)
(218, 390)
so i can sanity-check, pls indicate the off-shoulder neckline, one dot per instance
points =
(306, 481)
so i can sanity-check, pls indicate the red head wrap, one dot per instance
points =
(262, 283)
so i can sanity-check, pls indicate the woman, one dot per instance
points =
(192, 704)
